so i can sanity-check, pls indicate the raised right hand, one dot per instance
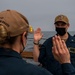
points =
(37, 34)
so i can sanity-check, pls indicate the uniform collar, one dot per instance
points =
(9, 53)
(70, 38)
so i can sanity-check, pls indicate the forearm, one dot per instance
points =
(36, 52)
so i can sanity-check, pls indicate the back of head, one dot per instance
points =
(12, 24)
(61, 18)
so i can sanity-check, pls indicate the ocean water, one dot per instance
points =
(46, 34)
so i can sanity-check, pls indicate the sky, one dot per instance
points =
(41, 13)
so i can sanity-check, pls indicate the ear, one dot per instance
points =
(24, 40)
(23, 35)
(68, 24)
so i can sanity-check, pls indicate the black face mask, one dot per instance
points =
(60, 31)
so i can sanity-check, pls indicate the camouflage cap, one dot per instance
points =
(14, 22)
(61, 18)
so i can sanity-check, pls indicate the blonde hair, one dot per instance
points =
(5, 37)
(3, 34)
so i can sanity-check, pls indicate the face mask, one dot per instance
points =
(60, 31)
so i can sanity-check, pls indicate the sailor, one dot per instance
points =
(44, 55)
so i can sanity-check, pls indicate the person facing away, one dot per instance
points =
(14, 28)
(44, 55)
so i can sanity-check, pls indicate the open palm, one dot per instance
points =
(38, 34)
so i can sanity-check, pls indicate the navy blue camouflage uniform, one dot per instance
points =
(11, 63)
(46, 57)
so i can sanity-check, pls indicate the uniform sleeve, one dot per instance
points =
(42, 56)
(44, 50)
(68, 69)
